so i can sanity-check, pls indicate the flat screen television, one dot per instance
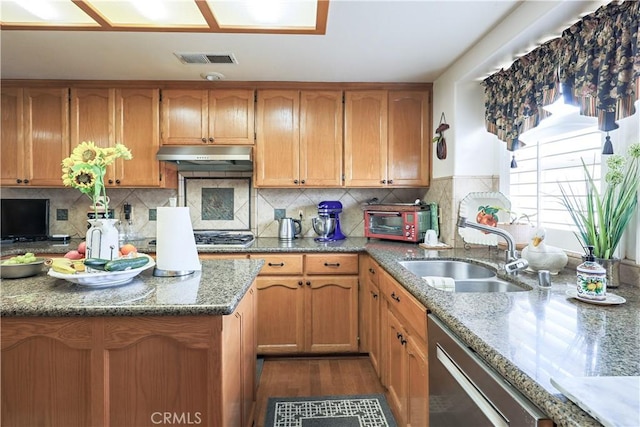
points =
(24, 219)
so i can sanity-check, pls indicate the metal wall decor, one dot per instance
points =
(441, 143)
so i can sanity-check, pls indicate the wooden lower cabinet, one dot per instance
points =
(370, 306)
(404, 354)
(130, 371)
(304, 309)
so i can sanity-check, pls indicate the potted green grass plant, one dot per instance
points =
(603, 216)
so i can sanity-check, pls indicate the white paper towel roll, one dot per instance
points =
(175, 244)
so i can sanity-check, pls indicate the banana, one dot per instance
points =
(61, 265)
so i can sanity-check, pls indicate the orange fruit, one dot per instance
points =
(127, 249)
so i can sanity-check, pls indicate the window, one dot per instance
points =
(552, 157)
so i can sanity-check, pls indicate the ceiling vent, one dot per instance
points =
(206, 58)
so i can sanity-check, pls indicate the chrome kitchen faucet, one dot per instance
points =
(513, 263)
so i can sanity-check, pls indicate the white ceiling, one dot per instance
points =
(365, 41)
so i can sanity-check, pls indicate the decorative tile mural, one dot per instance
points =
(218, 203)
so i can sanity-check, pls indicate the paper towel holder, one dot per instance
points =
(171, 273)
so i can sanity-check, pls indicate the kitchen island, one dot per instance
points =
(529, 338)
(153, 351)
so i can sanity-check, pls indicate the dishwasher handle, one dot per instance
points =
(478, 398)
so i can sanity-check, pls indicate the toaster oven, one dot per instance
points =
(403, 222)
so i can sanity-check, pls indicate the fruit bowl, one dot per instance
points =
(18, 271)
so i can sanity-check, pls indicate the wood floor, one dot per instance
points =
(283, 377)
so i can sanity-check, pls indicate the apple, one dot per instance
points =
(82, 247)
(73, 255)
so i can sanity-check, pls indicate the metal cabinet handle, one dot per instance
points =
(372, 271)
(110, 181)
(403, 341)
(303, 181)
(390, 181)
(395, 297)
(398, 335)
(26, 181)
(295, 181)
(300, 283)
(117, 181)
(308, 283)
(18, 181)
(271, 264)
(375, 295)
(384, 181)
(332, 264)
(210, 139)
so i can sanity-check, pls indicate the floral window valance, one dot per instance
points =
(596, 62)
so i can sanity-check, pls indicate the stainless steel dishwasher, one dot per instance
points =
(465, 391)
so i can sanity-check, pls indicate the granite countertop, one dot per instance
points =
(216, 290)
(528, 337)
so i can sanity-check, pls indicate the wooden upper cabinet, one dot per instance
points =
(299, 138)
(12, 147)
(409, 138)
(138, 127)
(321, 138)
(387, 138)
(127, 116)
(365, 138)
(224, 117)
(277, 138)
(46, 133)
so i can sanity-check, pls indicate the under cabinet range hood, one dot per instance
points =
(208, 157)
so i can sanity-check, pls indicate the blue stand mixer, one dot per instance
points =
(327, 223)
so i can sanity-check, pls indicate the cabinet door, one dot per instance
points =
(409, 138)
(374, 326)
(321, 138)
(46, 134)
(365, 138)
(280, 320)
(93, 116)
(138, 125)
(417, 383)
(12, 148)
(185, 117)
(231, 116)
(41, 357)
(396, 365)
(278, 139)
(331, 312)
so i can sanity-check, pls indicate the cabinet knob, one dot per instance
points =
(372, 271)
(204, 140)
(302, 182)
(300, 283)
(117, 181)
(403, 341)
(375, 296)
(384, 181)
(18, 181)
(26, 181)
(390, 181)
(110, 181)
(308, 283)
(210, 139)
(295, 181)
(395, 297)
(398, 335)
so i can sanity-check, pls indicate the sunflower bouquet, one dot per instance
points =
(86, 167)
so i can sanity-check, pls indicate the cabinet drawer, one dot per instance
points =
(331, 264)
(404, 304)
(276, 264)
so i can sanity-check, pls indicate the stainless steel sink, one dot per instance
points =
(489, 285)
(457, 270)
(467, 277)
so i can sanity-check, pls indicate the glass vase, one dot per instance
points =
(102, 239)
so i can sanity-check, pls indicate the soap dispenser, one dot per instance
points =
(591, 279)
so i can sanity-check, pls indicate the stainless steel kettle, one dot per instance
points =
(289, 228)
